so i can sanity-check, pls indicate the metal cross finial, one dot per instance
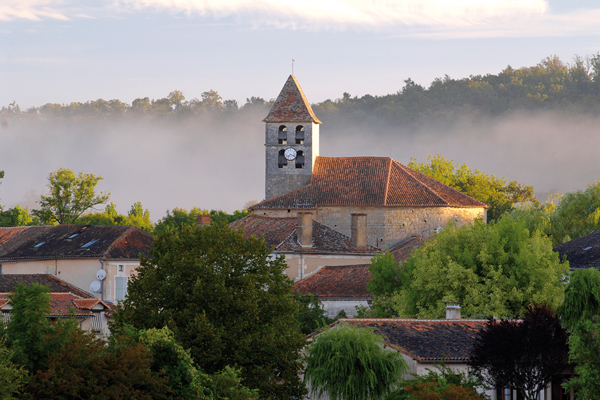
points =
(293, 66)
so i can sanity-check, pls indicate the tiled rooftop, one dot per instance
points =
(340, 281)
(369, 181)
(401, 250)
(583, 252)
(64, 297)
(427, 339)
(291, 105)
(280, 235)
(74, 241)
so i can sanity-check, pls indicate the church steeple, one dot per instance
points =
(291, 141)
(291, 105)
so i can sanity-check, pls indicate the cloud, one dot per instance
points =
(32, 9)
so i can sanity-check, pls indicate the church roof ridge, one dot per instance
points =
(291, 105)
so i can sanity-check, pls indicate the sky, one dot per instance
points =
(62, 51)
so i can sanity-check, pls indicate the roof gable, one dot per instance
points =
(291, 105)
(280, 235)
(369, 181)
(75, 241)
(338, 281)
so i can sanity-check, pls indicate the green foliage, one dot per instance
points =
(310, 315)
(584, 345)
(494, 269)
(226, 301)
(387, 277)
(180, 218)
(70, 196)
(577, 214)
(12, 376)
(443, 384)
(137, 216)
(495, 192)
(582, 298)
(347, 363)
(17, 216)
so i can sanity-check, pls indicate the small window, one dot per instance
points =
(39, 244)
(299, 134)
(300, 160)
(74, 235)
(88, 244)
(121, 268)
(281, 160)
(282, 135)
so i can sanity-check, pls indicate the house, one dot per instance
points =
(101, 258)
(307, 245)
(66, 301)
(425, 343)
(582, 253)
(396, 201)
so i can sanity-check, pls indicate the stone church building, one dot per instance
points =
(377, 198)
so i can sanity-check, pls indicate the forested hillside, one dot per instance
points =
(553, 84)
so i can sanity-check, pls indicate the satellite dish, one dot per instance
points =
(95, 286)
(438, 230)
(101, 274)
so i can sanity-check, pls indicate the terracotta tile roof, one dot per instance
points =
(583, 252)
(427, 339)
(401, 250)
(338, 281)
(280, 234)
(74, 241)
(369, 181)
(291, 105)
(56, 285)
(64, 297)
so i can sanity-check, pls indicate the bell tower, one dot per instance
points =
(291, 141)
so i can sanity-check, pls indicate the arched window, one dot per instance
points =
(299, 134)
(300, 159)
(281, 160)
(282, 137)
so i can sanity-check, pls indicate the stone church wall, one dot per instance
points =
(387, 226)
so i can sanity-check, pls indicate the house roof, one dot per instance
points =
(74, 241)
(583, 252)
(369, 181)
(401, 250)
(338, 281)
(427, 339)
(280, 234)
(291, 105)
(64, 297)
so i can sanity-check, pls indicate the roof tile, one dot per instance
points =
(583, 252)
(338, 281)
(291, 105)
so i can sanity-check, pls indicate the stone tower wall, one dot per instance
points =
(279, 181)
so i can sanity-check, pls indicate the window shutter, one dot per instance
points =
(120, 288)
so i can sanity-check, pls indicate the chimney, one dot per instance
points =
(305, 229)
(203, 219)
(358, 229)
(452, 311)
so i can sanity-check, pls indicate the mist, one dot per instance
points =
(219, 163)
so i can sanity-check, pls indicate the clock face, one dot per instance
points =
(290, 154)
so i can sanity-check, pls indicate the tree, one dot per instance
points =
(136, 216)
(577, 214)
(310, 315)
(490, 269)
(70, 196)
(226, 300)
(347, 362)
(584, 345)
(17, 216)
(12, 376)
(521, 355)
(496, 192)
(180, 218)
(582, 298)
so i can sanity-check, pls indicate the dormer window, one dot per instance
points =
(39, 244)
(88, 244)
(299, 134)
(73, 235)
(300, 159)
(281, 160)
(282, 135)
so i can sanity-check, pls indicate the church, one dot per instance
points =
(375, 202)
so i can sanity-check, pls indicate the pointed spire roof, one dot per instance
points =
(291, 105)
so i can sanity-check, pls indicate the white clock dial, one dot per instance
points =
(290, 154)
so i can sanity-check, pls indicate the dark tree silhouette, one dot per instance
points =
(521, 355)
